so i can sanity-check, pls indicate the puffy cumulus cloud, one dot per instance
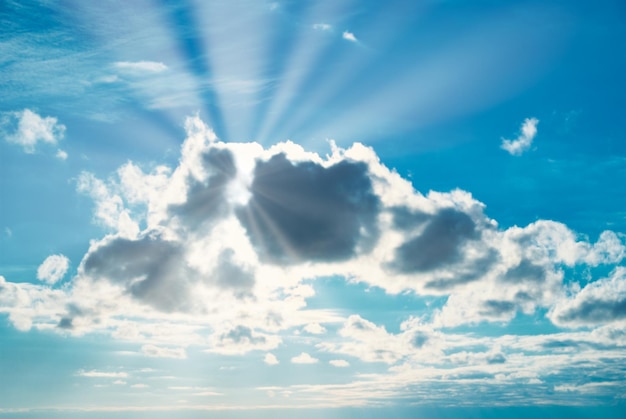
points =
(304, 358)
(349, 36)
(53, 268)
(599, 302)
(270, 359)
(222, 252)
(28, 129)
(525, 139)
(339, 363)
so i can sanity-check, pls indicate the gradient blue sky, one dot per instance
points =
(312, 208)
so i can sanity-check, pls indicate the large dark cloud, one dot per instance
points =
(525, 271)
(307, 212)
(438, 244)
(593, 311)
(151, 269)
(206, 199)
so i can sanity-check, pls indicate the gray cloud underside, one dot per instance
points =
(307, 212)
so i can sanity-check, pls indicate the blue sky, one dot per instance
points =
(307, 208)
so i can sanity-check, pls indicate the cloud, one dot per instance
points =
(270, 359)
(308, 212)
(322, 27)
(28, 129)
(438, 244)
(141, 66)
(600, 302)
(524, 140)
(222, 252)
(315, 329)
(153, 351)
(339, 363)
(101, 374)
(304, 358)
(349, 36)
(53, 268)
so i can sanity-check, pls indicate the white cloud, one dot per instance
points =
(315, 329)
(141, 66)
(101, 374)
(53, 268)
(61, 155)
(339, 363)
(140, 385)
(160, 352)
(322, 27)
(216, 266)
(304, 358)
(27, 129)
(599, 302)
(524, 140)
(349, 36)
(270, 359)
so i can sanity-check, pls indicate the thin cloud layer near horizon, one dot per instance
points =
(309, 208)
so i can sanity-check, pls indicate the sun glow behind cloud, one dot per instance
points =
(238, 268)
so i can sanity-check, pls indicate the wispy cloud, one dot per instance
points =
(101, 374)
(349, 36)
(525, 139)
(141, 66)
(322, 27)
(161, 352)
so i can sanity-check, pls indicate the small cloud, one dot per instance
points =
(322, 27)
(153, 351)
(270, 359)
(140, 385)
(8, 232)
(62, 155)
(101, 374)
(27, 129)
(315, 329)
(53, 268)
(339, 363)
(119, 382)
(304, 358)
(142, 66)
(349, 36)
(524, 140)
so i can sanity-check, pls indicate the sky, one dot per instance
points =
(334, 208)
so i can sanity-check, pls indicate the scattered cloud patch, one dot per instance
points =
(28, 129)
(153, 351)
(141, 66)
(53, 268)
(525, 139)
(349, 36)
(270, 359)
(339, 363)
(315, 329)
(304, 358)
(322, 27)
